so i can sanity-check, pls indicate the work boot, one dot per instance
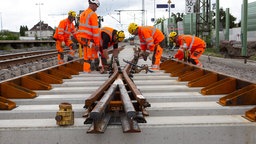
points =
(70, 58)
(93, 68)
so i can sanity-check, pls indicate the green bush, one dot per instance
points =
(7, 35)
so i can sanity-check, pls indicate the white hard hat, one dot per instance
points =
(95, 2)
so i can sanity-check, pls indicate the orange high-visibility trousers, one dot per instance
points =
(60, 50)
(196, 55)
(90, 54)
(157, 56)
(60, 55)
(179, 54)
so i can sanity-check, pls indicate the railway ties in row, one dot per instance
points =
(186, 104)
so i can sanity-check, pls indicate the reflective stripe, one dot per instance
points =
(151, 43)
(150, 40)
(86, 26)
(143, 43)
(155, 66)
(61, 33)
(108, 31)
(89, 33)
(192, 42)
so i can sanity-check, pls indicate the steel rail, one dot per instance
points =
(23, 54)
(18, 59)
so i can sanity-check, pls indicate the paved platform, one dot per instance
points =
(178, 115)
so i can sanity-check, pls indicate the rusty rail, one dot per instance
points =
(113, 100)
(7, 61)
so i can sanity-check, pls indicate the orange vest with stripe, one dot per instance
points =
(109, 32)
(149, 37)
(88, 26)
(192, 42)
(64, 30)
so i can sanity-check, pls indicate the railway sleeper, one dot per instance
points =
(23, 86)
(237, 92)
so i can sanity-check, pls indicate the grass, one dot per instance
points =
(212, 52)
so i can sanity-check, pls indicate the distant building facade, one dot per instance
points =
(45, 32)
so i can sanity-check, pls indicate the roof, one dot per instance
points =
(44, 27)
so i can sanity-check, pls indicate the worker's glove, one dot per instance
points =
(91, 45)
(144, 55)
(74, 46)
(108, 61)
(150, 56)
(63, 44)
(185, 46)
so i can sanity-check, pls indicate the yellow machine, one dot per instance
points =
(65, 115)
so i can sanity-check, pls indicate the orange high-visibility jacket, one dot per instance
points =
(64, 30)
(192, 42)
(106, 42)
(149, 37)
(88, 26)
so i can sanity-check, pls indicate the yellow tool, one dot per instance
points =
(65, 115)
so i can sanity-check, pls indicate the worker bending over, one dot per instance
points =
(190, 47)
(151, 42)
(63, 34)
(109, 37)
(88, 34)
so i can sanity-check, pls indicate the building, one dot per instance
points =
(40, 31)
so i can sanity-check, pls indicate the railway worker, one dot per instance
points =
(109, 37)
(151, 42)
(88, 34)
(63, 34)
(190, 47)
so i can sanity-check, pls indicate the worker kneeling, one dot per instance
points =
(151, 43)
(190, 47)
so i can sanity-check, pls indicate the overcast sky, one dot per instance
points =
(14, 13)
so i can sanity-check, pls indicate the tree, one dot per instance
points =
(232, 19)
(178, 17)
(22, 30)
(159, 20)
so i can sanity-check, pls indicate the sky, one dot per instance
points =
(16, 13)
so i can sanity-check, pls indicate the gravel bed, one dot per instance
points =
(232, 67)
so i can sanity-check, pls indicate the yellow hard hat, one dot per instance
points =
(72, 13)
(172, 35)
(132, 27)
(120, 35)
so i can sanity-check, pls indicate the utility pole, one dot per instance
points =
(154, 10)
(203, 22)
(1, 22)
(169, 8)
(143, 13)
(40, 23)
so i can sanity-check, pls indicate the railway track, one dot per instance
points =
(10, 60)
(188, 105)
